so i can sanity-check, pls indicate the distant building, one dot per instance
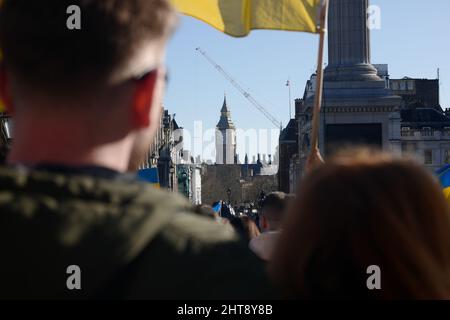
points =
(190, 181)
(169, 146)
(417, 93)
(243, 181)
(163, 151)
(177, 170)
(424, 130)
(225, 137)
(243, 185)
(159, 141)
(383, 73)
(288, 148)
(423, 133)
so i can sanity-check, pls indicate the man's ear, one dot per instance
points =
(5, 97)
(143, 100)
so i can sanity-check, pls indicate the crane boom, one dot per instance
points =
(235, 84)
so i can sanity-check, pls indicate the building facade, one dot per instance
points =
(190, 181)
(363, 106)
(163, 151)
(235, 183)
(424, 134)
(288, 148)
(177, 170)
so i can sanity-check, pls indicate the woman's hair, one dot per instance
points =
(245, 227)
(360, 209)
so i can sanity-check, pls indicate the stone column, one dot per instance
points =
(349, 42)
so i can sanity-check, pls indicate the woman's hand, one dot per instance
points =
(314, 160)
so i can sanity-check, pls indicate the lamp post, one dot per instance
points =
(184, 178)
(171, 177)
(229, 195)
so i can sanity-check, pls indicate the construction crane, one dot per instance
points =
(235, 84)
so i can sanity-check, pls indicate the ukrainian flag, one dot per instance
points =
(149, 175)
(238, 17)
(444, 178)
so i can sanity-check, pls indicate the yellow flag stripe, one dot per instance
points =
(238, 17)
(447, 193)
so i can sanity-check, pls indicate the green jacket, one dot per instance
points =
(128, 239)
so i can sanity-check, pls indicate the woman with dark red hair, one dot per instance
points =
(365, 211)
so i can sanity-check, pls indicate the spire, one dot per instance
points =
(225, 121)
(224, 106)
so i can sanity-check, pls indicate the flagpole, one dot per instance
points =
(319, 85)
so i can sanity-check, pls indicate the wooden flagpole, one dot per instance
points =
(319, 85)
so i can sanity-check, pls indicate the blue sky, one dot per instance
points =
(413, 40)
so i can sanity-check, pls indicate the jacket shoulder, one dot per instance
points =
(200, 259)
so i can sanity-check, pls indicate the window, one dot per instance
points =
(447, 156)
(406, 132)
(427, 132)
(428, 155)
(447, 131)
(410, 85)
(409, 148)
(403, 85)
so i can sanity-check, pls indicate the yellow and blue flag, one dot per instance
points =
(444, 178)
(238, 17)
(149, 175)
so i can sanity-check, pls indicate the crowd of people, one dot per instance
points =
(259, 229)
(86, 105)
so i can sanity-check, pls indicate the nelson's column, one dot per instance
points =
(358, 106)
